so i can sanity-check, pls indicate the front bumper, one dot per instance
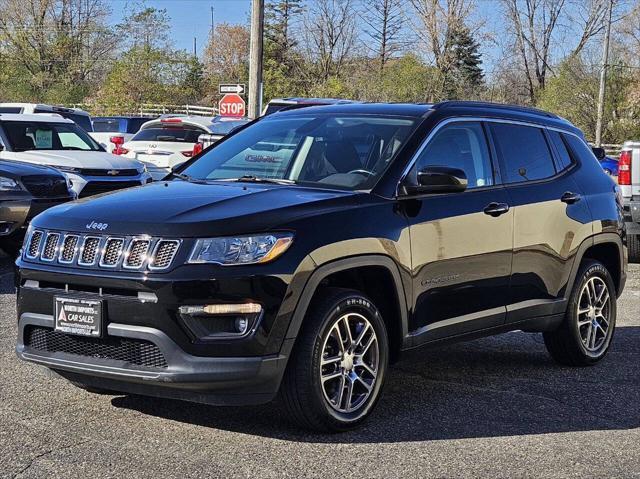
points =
(218, 381)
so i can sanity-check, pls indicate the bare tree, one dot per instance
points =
(330, 36)
(438, 20)
(534, 24)
(590, 21)
(385, 21)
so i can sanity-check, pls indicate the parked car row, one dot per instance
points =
(44, 147)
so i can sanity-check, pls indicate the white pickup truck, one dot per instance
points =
(49, 139)
(629, 181)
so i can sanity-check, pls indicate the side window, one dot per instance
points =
(580, 149)
(524, 153)
(561, 148)
(460, 145)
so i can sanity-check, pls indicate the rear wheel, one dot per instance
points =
(633, 244)
(585, 335)
(335, 375)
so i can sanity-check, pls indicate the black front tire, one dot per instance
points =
(302, 388)
(566, 344)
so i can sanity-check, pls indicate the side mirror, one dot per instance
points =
(599, 152)
(438, 179)
(1, 147)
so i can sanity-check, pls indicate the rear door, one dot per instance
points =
(550, 217)
(461, 243)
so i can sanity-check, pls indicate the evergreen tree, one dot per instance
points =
(279, 18)
(465, 76)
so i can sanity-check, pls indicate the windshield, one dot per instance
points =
(33, 135)
(345, 151)
(224, 127)
(172, 133)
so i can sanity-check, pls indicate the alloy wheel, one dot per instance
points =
(594, 313)
(350, 363)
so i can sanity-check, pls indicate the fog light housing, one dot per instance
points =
(217, 321)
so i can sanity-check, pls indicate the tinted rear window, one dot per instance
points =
(580, 149)
(274, 107)
(561, 148)
(134, 124)
(182, 134)
(83, 121)
(523, 151)
(106, 125)
(10, 109)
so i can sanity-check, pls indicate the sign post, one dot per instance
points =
(232, 105)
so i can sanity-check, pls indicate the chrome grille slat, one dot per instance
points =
(34, 244)
(137, 253)
(140, 253)
(69, 249)
(163, 254)
(50, 247)
(89, 251)
(111, 252)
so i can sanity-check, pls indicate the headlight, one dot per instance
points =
(240, 249)
(143, 170)
(67, 169)
(7, 184)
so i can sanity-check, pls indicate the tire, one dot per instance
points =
(11, 245)
(633, 245)
(317, 404)
(581, 340)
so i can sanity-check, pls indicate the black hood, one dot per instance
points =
(17, 169)
(182, 209)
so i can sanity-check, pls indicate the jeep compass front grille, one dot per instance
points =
(102, 252)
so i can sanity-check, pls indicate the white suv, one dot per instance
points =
(58, 142)
(78, 116)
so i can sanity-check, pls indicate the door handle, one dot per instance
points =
(496, 209)
(570, 198)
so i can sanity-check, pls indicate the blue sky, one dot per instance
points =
(192, 18)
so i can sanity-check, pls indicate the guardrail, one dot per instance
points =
(150, 109)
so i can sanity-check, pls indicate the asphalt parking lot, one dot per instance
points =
(496, 407)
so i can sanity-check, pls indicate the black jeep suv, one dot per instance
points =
(304, 252)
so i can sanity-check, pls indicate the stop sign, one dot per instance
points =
(232, 105)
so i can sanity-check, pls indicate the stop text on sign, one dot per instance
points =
(232, 105)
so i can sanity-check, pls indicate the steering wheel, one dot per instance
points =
(362, 172)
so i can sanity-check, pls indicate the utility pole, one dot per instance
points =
(255, 58)
(603, 74)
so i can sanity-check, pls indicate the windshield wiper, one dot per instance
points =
(258, 179)
(187, 178)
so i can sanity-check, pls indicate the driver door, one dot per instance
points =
(461, 243)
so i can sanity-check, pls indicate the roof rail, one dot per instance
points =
(497, 106)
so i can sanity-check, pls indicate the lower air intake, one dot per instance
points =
(133, 351)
